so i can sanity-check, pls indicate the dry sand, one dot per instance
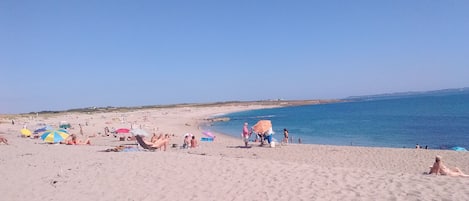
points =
(219, 170)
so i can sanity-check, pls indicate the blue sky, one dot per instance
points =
(57, 55)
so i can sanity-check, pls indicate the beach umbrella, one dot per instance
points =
(122, 130)
(262, 126)
(208, 134)
(459, 149)
(140, 132)
(54, 136)
(65, 125)
(26, 132)
(45, 128)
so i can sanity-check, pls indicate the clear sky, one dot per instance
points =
(57, 55)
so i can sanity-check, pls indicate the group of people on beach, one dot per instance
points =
(162, 142)
(438, 168)
(262, 137)
(189, 141)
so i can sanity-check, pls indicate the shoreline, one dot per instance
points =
(218, 170)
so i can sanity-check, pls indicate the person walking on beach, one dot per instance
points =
(285, 135)
(245, 134)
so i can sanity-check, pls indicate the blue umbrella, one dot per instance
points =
(45, 128)
(459, 149)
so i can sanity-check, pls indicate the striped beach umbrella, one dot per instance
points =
(54, 136)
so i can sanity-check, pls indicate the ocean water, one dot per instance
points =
(439, 122)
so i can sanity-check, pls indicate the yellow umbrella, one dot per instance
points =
(26, 132)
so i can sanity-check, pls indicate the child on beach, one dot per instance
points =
(245, 134)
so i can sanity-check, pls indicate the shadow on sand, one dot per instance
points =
(241, 147)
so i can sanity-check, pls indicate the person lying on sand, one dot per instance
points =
(3, 139)
(155, 138)
(159, 143)
(73, 140)
(439, 168)
(116, 149)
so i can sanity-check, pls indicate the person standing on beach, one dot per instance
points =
(81, 129)
(285, 135)
(245, 134)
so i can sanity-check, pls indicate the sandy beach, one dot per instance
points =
(218, 170)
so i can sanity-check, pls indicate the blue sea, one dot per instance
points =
(438, 121)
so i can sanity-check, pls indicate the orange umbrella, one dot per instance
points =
(262, 126)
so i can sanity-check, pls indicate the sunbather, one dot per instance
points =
(439, 168)
(155, 138)
(73, 140)
(3, 139)
(161, 143)
(115, 149)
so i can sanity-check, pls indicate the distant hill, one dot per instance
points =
(409, 94)
(276, 102)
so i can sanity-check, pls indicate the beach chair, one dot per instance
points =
(143, 144)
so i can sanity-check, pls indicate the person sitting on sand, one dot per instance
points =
(186, 142)
(194, 143)
(3, 139)
(439, 168)
(73, 140)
